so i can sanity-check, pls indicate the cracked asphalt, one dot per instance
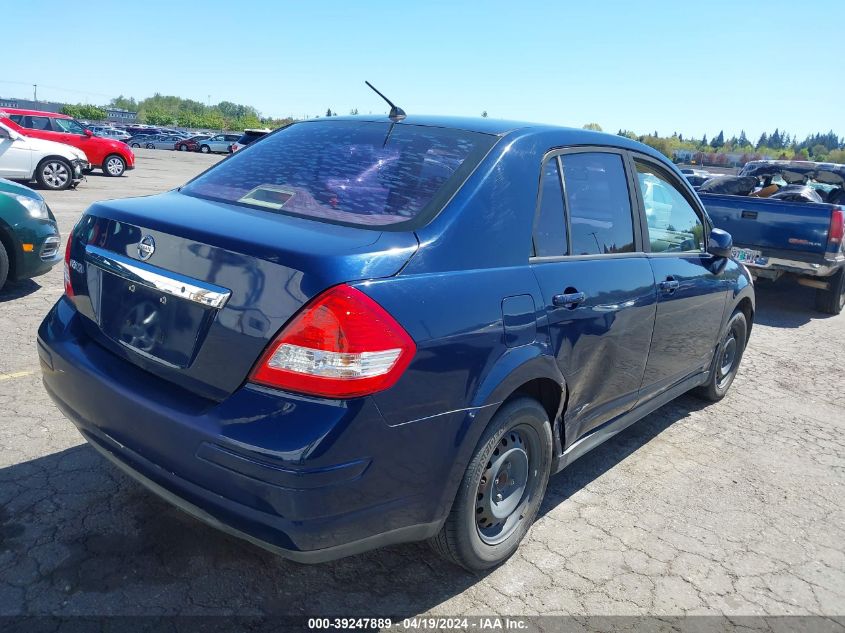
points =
(735, 508)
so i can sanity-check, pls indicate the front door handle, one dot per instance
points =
(669, 286)
(569, 300)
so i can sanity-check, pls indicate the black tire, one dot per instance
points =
(4, 265)
(54, 173)
(182, 147)
(114, 166)
(136, 145)
(726, 360)
(150, 146)
(483, 529)
(832, 300)
(205, 149)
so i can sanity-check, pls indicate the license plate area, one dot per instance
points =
(148, 321)
(745, 255)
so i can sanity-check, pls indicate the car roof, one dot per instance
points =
(554, 135)
(58, 115)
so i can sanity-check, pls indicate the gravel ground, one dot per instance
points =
(734, 508)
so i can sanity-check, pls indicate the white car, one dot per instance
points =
(54, 165)
(118, 135)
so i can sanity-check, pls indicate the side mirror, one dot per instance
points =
(719, 243)
(89, 133)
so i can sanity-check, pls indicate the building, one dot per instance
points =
(27, 104)
(117, 115)
(114, 115)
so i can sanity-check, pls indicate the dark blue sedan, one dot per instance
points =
(364, 331)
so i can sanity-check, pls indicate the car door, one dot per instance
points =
(72, 133)
(691, 290)
(15, 156)
(597, 284)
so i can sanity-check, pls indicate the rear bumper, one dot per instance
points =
(793, 262)
(308, 479)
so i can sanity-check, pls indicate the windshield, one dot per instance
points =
(349, 172)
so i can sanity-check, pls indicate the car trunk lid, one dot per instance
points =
(193, 290)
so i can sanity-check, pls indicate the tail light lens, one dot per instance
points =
(68, 284)
(837, 226)
(341, 345)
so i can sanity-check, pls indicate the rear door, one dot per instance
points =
(597, 284)
(691, 290)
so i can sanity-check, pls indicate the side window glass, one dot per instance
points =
(550, 225)
(673, 225)
(599, 205)
(41, 123)
(17, 118)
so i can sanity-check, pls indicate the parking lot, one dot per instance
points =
(733, 508)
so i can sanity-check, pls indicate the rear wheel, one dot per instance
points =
(832, 300)
(501, 490)
(54, 173)
(727, 359)
(114, 166)
(205, 149)
(4, 265)
(182, 147)
(136, 145)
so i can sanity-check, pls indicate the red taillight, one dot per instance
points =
(342, 344)
(837, 226)
(68, 284)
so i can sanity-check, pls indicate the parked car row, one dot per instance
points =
(224, 143)
(113, 157)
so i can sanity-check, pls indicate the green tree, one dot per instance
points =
(763, 142)
(743, 139)
(719, 141)
(484, 114)
(593, 126)
(84, 111)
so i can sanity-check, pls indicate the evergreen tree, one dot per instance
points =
(775, 140)
(719, 141)
(329, 112)
(743, 139)
(764, 140)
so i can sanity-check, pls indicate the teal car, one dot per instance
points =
(29, 235)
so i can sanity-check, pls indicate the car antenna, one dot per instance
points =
(396, 113)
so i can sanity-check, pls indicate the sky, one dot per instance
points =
(695, 67)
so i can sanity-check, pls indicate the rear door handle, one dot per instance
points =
(569, 300)
(669, 286)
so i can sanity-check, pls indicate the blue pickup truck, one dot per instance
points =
(786, 220)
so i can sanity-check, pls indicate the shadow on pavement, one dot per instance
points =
(77, 532)
(786, 304)
(18, 289)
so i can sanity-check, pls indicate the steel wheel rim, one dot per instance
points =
(507, 485)
(728, 356)
(56, 174)
(115, 166)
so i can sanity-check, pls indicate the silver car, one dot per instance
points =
(162, 141)
(219, 143)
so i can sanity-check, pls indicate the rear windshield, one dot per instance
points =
(249, 137)
(348, 172)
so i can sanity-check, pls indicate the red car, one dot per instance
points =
(113, 157)
(191, 144)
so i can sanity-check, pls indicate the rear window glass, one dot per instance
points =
(249, 137)
(349, 172)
